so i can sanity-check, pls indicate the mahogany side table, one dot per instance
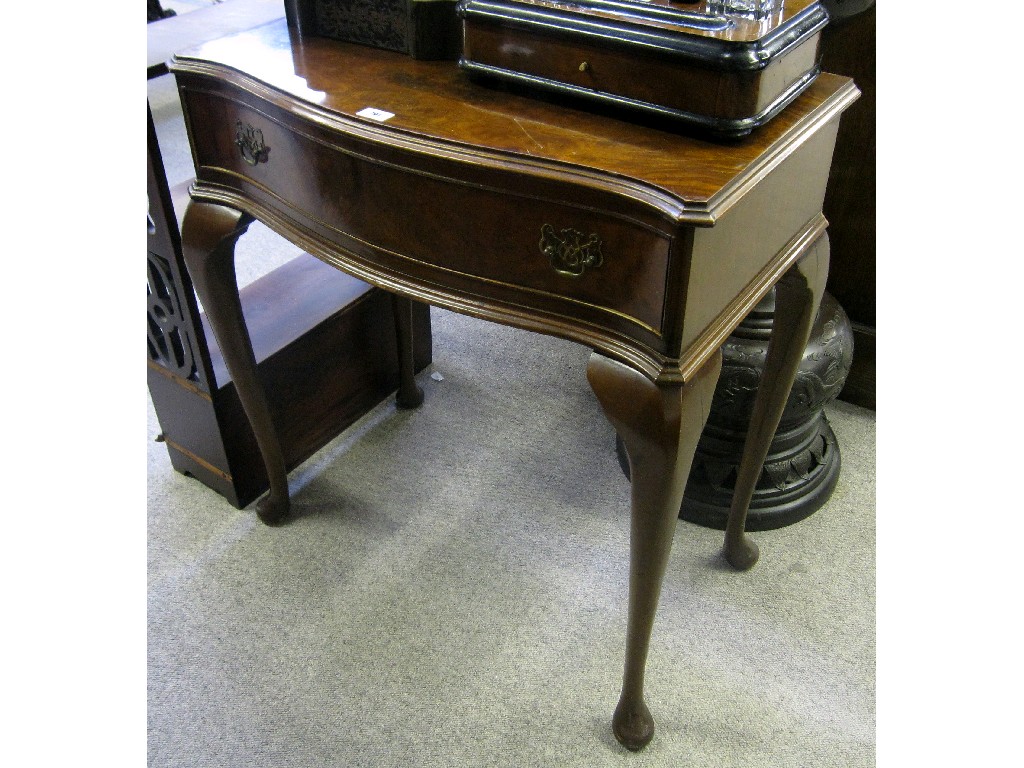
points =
(644, 244)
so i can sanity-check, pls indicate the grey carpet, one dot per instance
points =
(452, 589)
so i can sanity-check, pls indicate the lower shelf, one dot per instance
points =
(326, 352)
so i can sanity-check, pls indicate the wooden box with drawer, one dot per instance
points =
(684, 61)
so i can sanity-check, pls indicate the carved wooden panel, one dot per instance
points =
(169, 339)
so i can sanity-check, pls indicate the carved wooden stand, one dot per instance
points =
(804, 459)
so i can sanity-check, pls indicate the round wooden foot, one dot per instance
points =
(409, 399)
(633, 725)
(271, 510)
(742, 554)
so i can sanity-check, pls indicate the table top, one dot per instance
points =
(691, 178)
(692, 231)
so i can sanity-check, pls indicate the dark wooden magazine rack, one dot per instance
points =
(325, 342)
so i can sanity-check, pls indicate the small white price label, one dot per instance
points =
(375, 114)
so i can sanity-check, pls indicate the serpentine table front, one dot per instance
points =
(647, 245)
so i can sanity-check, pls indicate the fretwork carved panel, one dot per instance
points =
(169, 341)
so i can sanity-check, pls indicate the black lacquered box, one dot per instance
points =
(423, 29)
(687, 61)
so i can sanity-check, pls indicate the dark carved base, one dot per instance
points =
(803, 462)
(423, 30)
(795, 484)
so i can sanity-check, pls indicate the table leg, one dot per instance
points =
(660, 425)
(208, 236)
(409, 395)
(797, 296)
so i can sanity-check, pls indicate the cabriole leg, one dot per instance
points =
(208, 237)
(660, 425)
(797, 296)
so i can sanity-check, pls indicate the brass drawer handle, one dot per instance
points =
(570, 251)
(251, 145)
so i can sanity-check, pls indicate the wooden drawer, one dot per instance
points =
(726, 74)
(556, 251)
(611, 70)
(726, 98)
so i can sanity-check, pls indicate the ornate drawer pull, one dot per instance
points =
(250, 144)
(569, 252)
